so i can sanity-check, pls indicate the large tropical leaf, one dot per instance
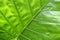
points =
(45, 25)
(15, 15)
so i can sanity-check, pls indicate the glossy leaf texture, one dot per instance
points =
(46, 25)
(15, 15)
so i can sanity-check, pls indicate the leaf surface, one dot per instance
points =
(15, 15)
(46, 25)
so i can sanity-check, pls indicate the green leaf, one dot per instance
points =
(15, 15)
(45, 25)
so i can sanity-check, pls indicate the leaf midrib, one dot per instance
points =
(35, 16)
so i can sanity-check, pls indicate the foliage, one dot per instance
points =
(29, 20)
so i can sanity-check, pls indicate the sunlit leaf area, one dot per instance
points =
(29, 19)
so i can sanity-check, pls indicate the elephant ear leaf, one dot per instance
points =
(15, 15)
(45, 25)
